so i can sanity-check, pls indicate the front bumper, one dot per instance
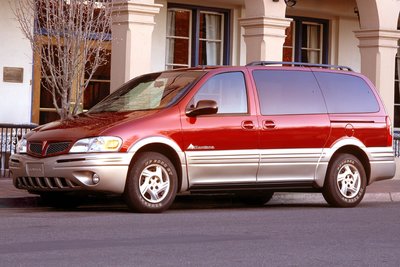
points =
(71, 172)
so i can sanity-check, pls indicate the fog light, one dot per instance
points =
(95, 178)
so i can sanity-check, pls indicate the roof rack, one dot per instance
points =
(299, 64)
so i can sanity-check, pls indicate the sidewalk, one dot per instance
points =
(381, 191)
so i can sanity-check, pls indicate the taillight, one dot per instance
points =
(389, 131)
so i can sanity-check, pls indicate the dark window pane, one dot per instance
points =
(346, 93)
(178, 51)
(178, 23)
(396, 116)
(210, 26)
(397, 93)
(94, 93)
(48, 116)
(228, 90)
(311, 36)
(310, 56)
(287, 54)
(46, 97)
(209, 53)
(288, 92)
(103, 72)
(289, 35)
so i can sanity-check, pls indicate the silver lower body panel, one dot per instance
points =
(72, 172)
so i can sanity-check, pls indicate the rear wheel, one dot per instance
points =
(151, 183)
(346, 182)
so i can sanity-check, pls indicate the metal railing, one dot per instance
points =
(10, 134)
(396, 144)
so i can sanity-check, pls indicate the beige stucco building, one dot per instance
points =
(153, 35)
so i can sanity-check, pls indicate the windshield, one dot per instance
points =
(150, 91)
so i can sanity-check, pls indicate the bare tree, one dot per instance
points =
(67, 35)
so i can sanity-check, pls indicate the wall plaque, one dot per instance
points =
(13, 75)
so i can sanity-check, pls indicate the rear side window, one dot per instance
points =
(288, 92)
(346, 93)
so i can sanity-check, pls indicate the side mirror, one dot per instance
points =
(203, 107)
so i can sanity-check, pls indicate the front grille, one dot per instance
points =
(51, 149)
(55, 148)
(35, 148)
(46, 183)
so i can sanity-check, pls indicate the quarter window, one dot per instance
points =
(228, 90)
(346, 93)
(288, 92)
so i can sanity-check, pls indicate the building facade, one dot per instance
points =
(154, 35)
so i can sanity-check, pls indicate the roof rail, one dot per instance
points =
(299, 64)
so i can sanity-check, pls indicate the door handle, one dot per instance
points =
(247, 125)
(269, 124)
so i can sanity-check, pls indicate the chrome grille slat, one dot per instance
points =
(24, 182)
(40, 182)
(69, 183)
(27, 182)
(32, 182)
(58, 182)
(46, 183)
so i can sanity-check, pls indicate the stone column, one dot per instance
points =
(378, 39)
(265, 26)
(132, 28)
(378, 49)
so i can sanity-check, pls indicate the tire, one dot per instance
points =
(255, 198)
(151, 184)
(345, 182)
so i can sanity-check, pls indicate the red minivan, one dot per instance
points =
(250, 131)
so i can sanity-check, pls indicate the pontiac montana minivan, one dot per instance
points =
(250, 131)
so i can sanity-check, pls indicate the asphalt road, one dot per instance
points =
(215, 234)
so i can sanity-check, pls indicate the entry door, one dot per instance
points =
(222, 148)
(294, 125)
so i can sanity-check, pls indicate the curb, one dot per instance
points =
(317, 198)
(382, 197)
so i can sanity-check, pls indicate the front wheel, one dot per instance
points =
(151, 183)
(346, 182)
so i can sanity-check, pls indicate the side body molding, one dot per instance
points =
(171, 143)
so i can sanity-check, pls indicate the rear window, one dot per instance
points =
(346, 93)
(288, 92)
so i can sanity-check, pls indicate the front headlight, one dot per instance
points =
(97, 144)
(22, 146)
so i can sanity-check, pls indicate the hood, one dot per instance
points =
(84, 125)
